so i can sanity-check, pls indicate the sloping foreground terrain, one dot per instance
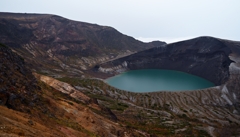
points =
(44, 106)
(56, 45)
(32, 108)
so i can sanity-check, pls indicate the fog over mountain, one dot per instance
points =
(171, 19)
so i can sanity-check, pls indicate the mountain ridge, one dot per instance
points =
(192, 56)
(65, 45)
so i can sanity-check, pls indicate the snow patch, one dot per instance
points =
(234, 68)
(234, 96)
(124, 64)
(235, 111)
(225, 90)
(227, 99)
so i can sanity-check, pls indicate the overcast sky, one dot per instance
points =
(167, 20)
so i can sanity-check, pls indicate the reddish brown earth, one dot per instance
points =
(30, 107)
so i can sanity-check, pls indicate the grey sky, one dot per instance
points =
(167, 20)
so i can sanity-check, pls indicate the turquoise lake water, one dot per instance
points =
(157, 80)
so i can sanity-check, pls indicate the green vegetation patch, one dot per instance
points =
(72, 81)
(2, 45)
(109, 102)
(118, 106)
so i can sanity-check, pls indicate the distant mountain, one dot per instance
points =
(53, 43)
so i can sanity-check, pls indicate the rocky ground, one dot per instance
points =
(17, 84)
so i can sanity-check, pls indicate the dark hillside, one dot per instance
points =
(53, 44)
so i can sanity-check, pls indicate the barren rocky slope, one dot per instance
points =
(33, 108)
(214, 110)
(16, 81)
(56, 45)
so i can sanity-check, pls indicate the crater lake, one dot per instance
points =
(149, 80)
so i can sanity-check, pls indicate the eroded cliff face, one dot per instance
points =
(206, 57)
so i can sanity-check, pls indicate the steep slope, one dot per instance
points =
(17, 84)
(33, 108)
(206, 57)
(55, 44)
